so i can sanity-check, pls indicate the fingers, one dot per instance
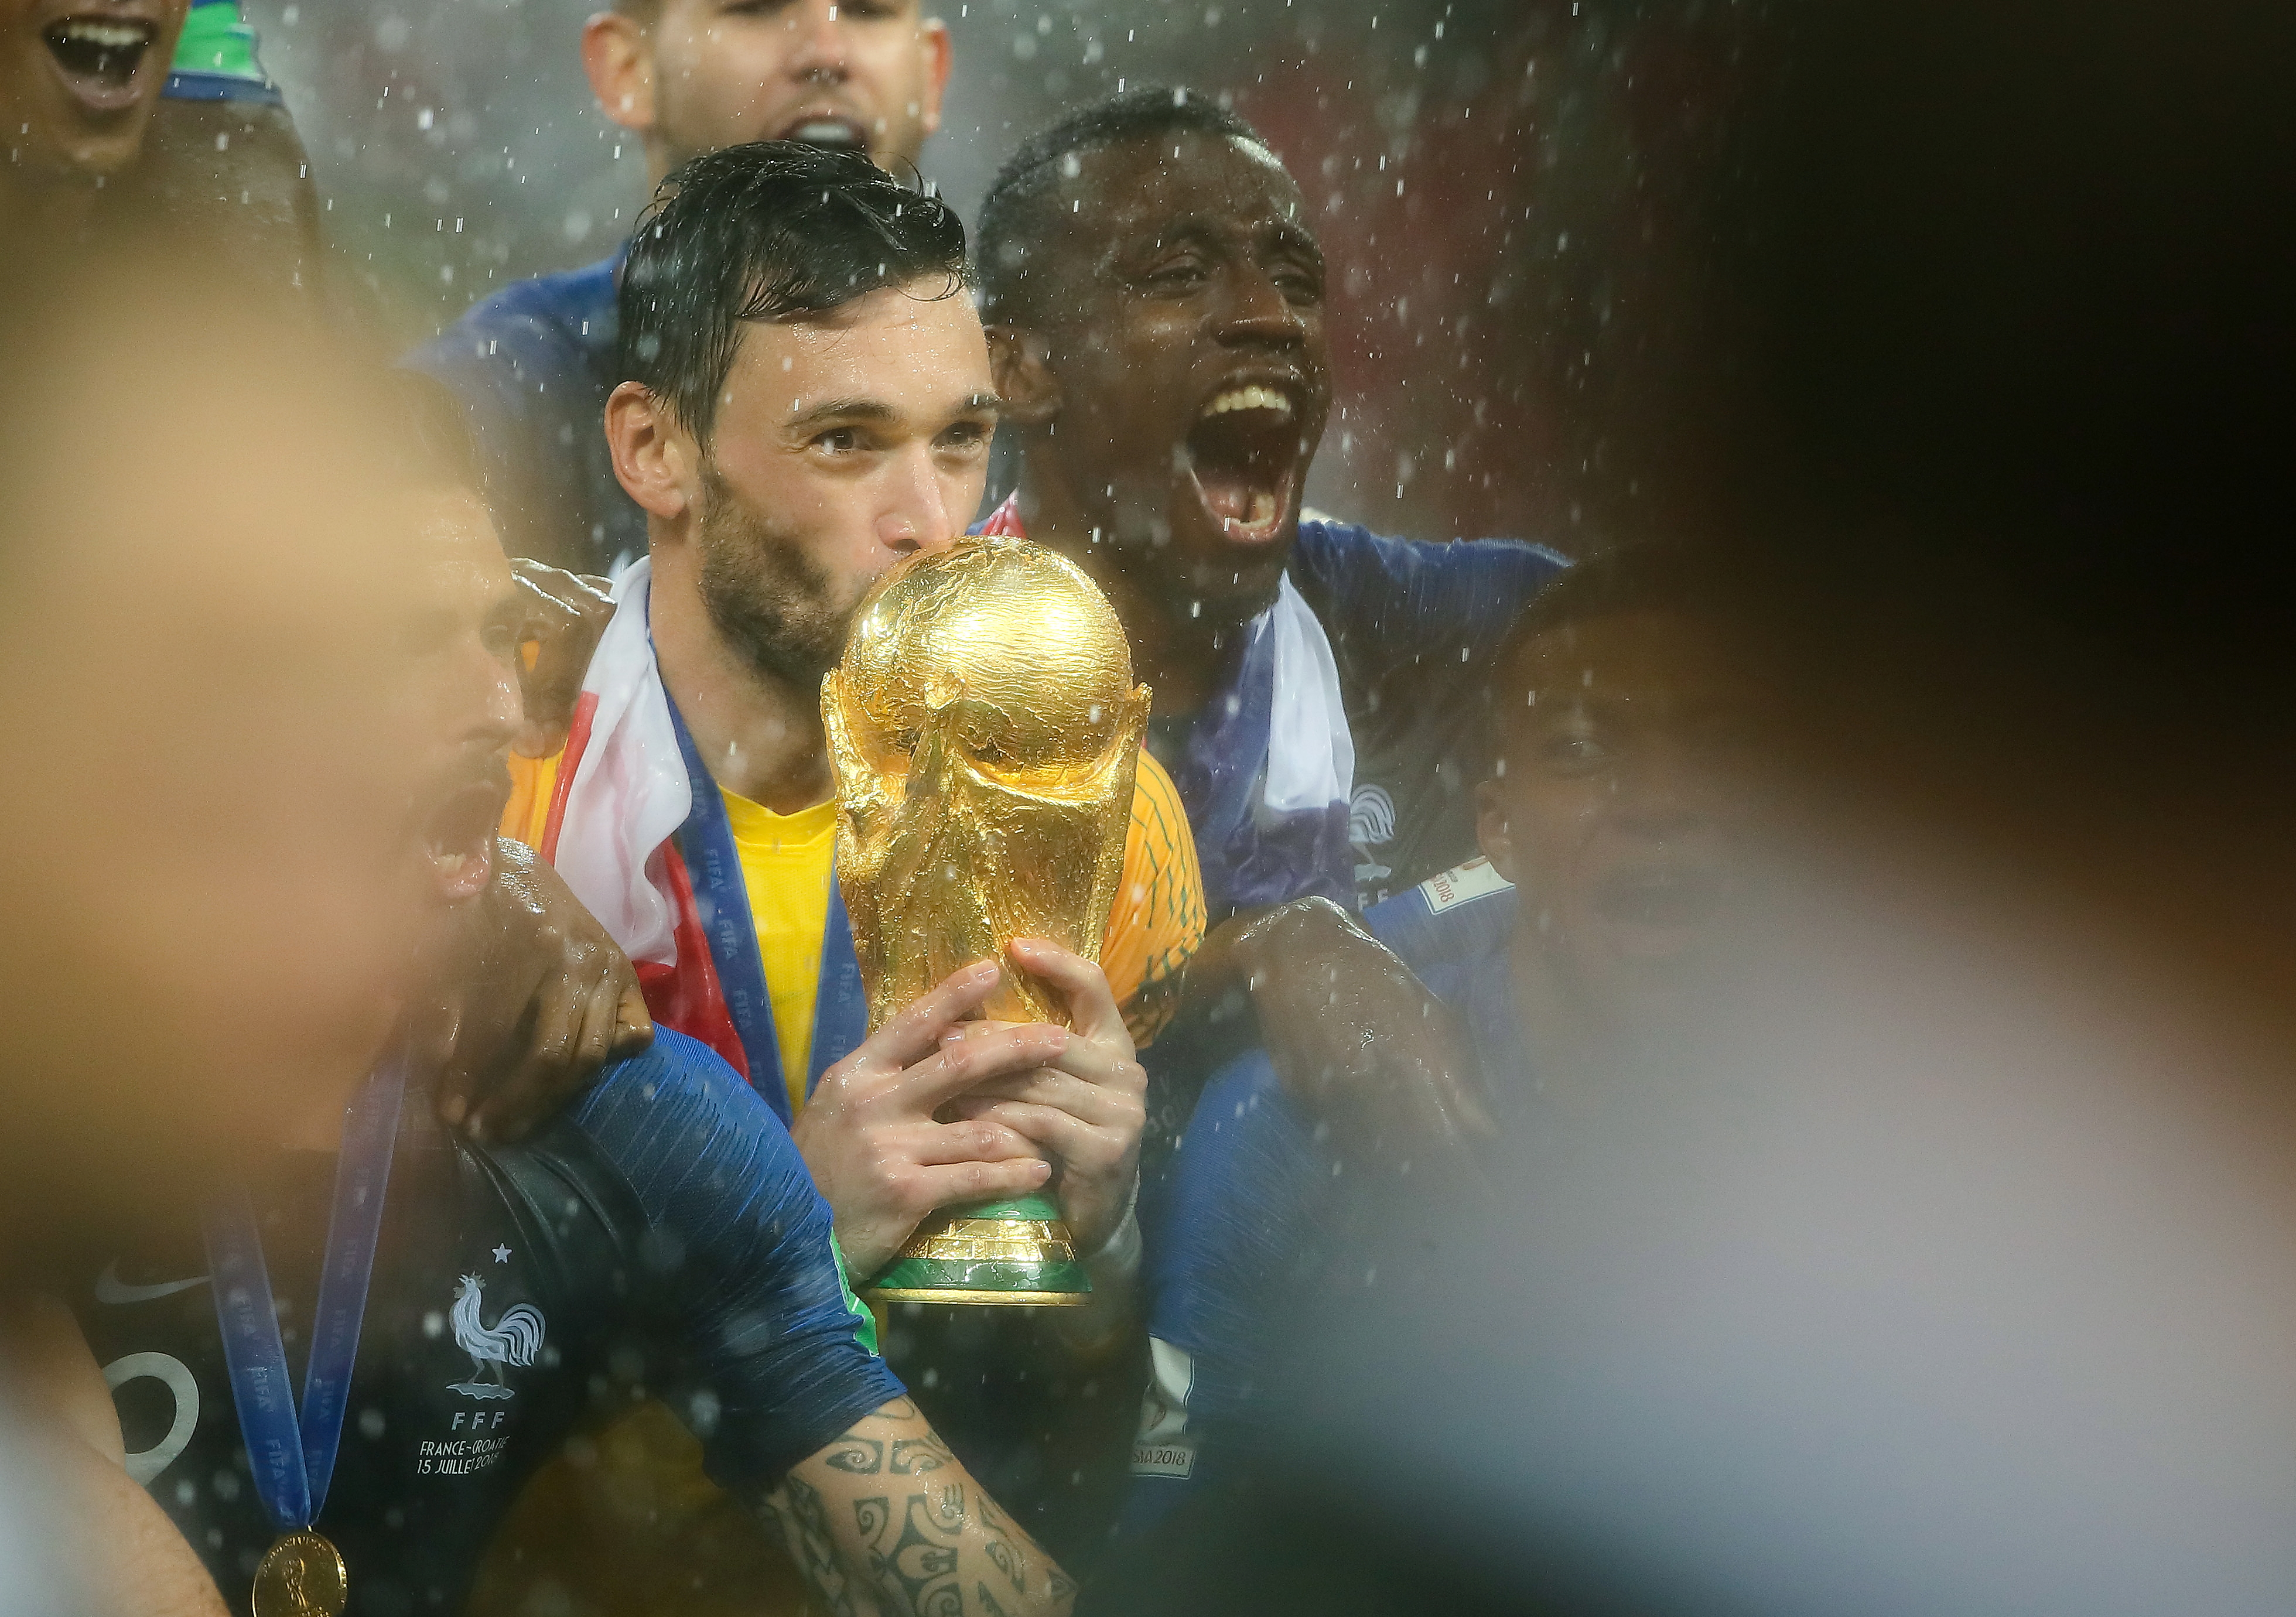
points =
(1094, 1060)
(1103, 1105)
(633, 1021)
(981, 1181)
(913, 1033)
(554, 1069)
(1076, 1143)
(941, 1144)
(962, 1064)
(433, 1029)
(1092, 1007)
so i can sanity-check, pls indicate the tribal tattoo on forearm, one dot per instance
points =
(890, 1522)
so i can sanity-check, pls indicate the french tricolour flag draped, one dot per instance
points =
(622, 794)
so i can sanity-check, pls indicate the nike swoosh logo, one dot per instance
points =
(110, 1289)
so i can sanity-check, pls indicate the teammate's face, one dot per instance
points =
(462, 646)
(78, 79)
(867, 74)
(1184, 326)
(840, 446)
(1626, 801)
(202, 688)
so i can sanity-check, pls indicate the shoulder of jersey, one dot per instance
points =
(1459, 914)
(673, 1067)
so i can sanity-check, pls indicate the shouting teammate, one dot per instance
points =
(534, 362)
(453, 1309)
(1155, 295)
(77, 85)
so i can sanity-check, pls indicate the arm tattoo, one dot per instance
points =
(913, 1456)
(918, 1567)
(861, 1455)
(803, 1519)
(923, 1540)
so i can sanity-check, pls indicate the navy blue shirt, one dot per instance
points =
(1414, 626)
(1245, 1216)
(533, 364)
(665, 1230)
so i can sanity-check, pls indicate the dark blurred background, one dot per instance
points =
(1506, 191)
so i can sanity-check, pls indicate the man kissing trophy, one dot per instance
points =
(984, 730)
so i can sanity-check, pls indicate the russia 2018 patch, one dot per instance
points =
(1476, 879)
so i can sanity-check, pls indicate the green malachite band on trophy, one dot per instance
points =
(1013, 1252)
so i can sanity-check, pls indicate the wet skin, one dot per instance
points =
(1179, 276)
(78, 79)
(707, 74)
(1625, 811)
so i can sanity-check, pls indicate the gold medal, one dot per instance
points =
(300, 1576)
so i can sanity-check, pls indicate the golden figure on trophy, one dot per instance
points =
(984, 729)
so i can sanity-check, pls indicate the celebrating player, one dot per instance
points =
(77, 85)
(1616, 830)
(534, 362)
(454, 1308)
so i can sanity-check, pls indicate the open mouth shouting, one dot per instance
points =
(1244, 456)
(456, 839)
(102, 59)
(826, 127)
(1658, 910)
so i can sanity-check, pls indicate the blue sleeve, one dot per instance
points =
(767, 1320)
(1461, 915)
(525, 365)
(1388, 603)
(1233, 1233)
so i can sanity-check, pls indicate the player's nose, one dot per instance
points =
(917, 514)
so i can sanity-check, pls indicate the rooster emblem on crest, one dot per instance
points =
(513, 1339)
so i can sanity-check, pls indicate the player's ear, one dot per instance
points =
(1024, 380)
(1491, 826)
(618, 59)
(654, 458)
(939, 53)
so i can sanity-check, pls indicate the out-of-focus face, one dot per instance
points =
(839, 446)
(1627, 802)
(462, 647)
(863, 73)
(78, 79)
(1181, 307)
(203, 688)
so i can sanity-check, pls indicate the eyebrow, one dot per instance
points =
(1201, 229)
(877, 410)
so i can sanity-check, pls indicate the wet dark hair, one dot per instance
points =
(1650, 575)
(773, 230)
(1014, 213)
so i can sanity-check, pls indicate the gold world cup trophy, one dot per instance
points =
(984, 729)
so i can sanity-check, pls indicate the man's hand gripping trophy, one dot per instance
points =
(984, 730)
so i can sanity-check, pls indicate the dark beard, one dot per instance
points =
(772, 605)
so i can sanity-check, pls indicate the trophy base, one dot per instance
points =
(1015, 1254)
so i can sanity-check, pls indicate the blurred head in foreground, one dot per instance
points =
(202, 673)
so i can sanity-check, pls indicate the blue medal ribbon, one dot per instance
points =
(721, 896)
(294, 1460)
